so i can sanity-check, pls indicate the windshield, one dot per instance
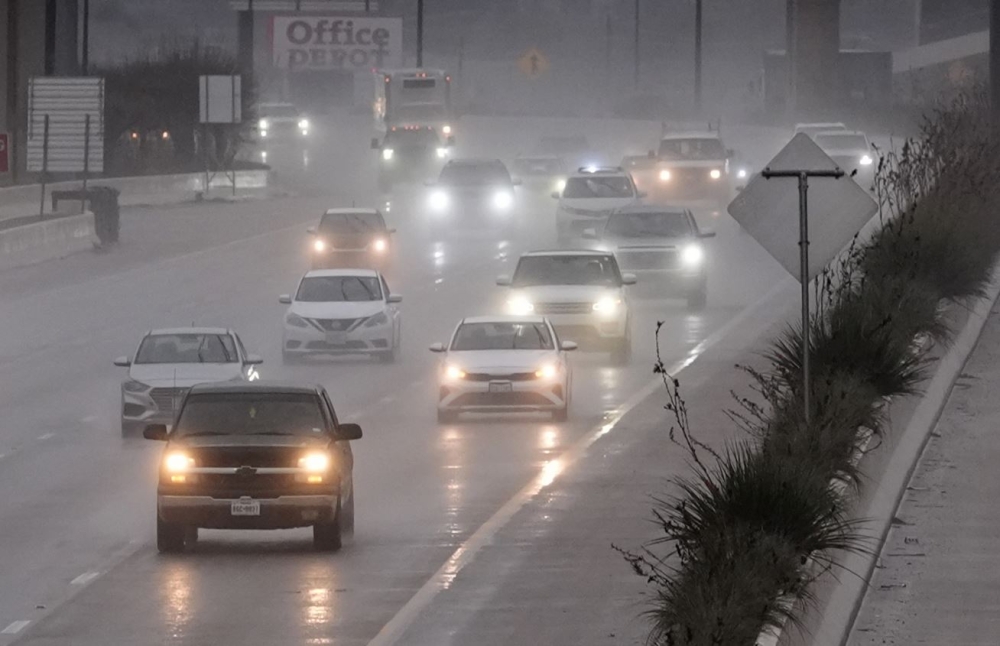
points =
(279, 111)
(186, 348)
(567, 270)
(341, 223)
(420, 112)
(250, 414)
(695, 149)
(422, 138)
(339, 289)
(614, 186)
(649, 225)
(474, 175)
(502, 336)
(538, 166)
(842, 142)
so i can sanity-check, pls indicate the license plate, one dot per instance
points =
(245, 507)
(336, 338)
(501, 387)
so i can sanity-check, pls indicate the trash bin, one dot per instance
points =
(107, 214)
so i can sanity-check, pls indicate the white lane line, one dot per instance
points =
(445, 576)
(46, 436)
(15, 627)
(85, 578)
(388, 399)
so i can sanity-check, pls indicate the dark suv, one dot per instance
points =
(255, 456)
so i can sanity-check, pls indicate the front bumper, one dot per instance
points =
(282, 512)
(522, 396)
(305, 341)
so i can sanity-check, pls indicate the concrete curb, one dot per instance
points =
(46, 240)
(849, 594)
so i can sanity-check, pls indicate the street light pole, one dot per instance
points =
(420, 33)
(85, 53)
(697, 54)
(635, 71)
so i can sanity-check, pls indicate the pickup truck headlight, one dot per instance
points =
(319, 245)
(715, 173)
(177, 462)
(692, 255)
(388, 153)
(665, 175)
(315, 462)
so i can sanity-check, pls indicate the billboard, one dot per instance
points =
(336, 43)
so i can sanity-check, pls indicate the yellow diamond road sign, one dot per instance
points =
(533, 63)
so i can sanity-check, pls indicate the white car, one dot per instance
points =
(812, 129)
(589, 196)
(581, 292)
(169, 361)
(281, 119)
(342, 312)
(852, 151)
(502, 364)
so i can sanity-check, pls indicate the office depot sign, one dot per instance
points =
(336, 43)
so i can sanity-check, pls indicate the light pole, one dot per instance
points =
(635, 71)
(85, 53)
(697, 54)
(420, 33)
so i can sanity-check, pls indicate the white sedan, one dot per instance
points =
(504, 364)
(342, 312)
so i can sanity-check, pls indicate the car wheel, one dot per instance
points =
(169, 537)
(698, 298)
(447, 416)
(327, 536)
(561, 414)
(348, 511)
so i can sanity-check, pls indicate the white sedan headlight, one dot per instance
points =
(133, 386)
(502, 200)
(319, 245)
(548, 371)
(665, 175)
(692, 255)
(715, 173)
(520, 306)
(866, 160)
(607, 305)
(453, 373)
(561, 185)
(388, 153)
(296, 321)
(380, 245)
(439, 200)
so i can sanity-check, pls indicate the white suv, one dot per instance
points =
(582, 293)
(589, 196)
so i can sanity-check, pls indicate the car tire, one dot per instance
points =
(169, 537)
(327, 536)
(697, 298)
(347, 527)
(561, 414)
(447, 416)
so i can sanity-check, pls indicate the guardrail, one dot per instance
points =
(27, 200)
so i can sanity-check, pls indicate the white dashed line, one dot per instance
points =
(46, 436)
(15, 627)
(85, 578)
(388, 399)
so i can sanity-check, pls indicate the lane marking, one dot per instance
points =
(46, 436)
(15, 627)
(444, 577)
(85, 578)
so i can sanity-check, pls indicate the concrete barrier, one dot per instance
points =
(39, 241)
(21, 201)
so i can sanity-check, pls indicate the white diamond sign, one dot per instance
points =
(768, 209)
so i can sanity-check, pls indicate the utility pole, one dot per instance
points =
(995, 62)
(420, 33)
(85, 52)
(635, 71)
(697, 54)
(246, 44)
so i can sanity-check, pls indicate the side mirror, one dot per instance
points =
(156, 432)
(437, 347)
(254, 360)
(568, 346)
(123, 362)
(285, 299)
(556, 195)
(706, 234)
(311, 231)
(629, 279)
(375, 144)
(503, 280)
(589, 234)
(394, 298)
(349, 432)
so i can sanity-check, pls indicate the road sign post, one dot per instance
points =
(769, 211)
(4, 152)
(803, 177)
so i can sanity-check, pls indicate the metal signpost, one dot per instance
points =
(65, 127)
(220, 102)
(769, 212)
(4, 152)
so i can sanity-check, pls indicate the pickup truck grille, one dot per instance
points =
(563, 308)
